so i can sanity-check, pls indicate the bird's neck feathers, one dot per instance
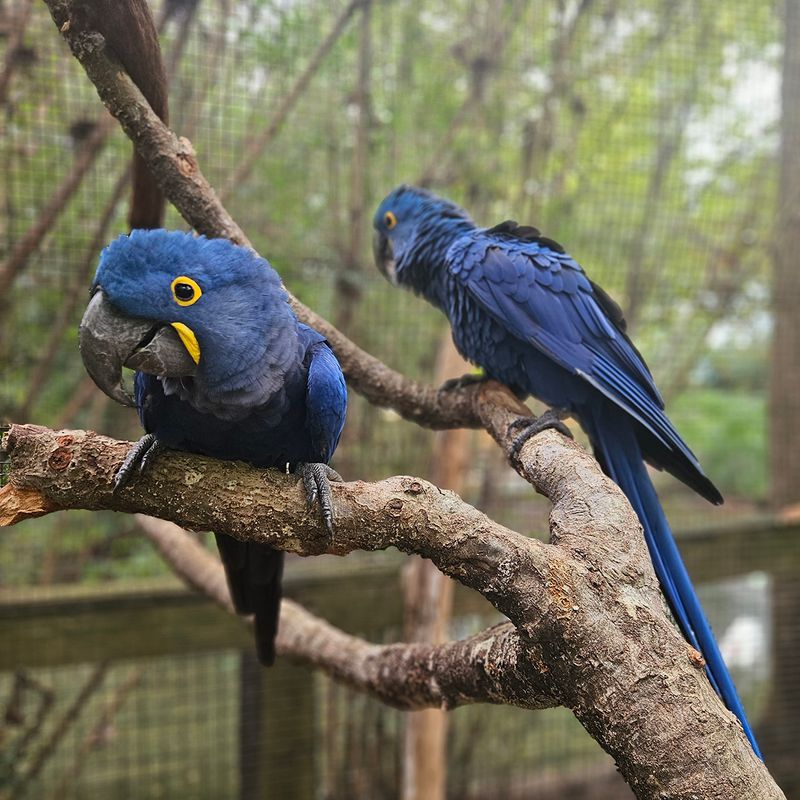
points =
(421, 264)
(247, 367)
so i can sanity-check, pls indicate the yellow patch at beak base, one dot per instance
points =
(189, 340)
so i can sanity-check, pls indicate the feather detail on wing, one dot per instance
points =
(326, 400)
(542, 296)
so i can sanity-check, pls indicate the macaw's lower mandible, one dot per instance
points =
(224, 369)
(526, 312)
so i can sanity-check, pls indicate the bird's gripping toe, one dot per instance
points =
(317, 482)
(141, 455)
(468, 379)
(530, 426)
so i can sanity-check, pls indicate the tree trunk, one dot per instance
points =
(428, 605)
(784, 406)
(784, 413)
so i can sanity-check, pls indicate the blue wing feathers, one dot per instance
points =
(550, 304)
(553, 306)
(326, 400)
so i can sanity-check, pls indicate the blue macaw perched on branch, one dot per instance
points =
(224, 369)
(526, 312)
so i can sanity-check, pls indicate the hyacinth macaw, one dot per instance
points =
(523, 310)
(224, 369)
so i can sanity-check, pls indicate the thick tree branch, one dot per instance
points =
(590, 630)
(75, 470)
(483, 668)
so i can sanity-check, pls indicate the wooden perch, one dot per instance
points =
(589, 629)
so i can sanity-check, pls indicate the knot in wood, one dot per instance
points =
(188, 147)
(413, 487)
(695, 658)
(394, 507)
(561, 598)
(186, 164)
(60, 459)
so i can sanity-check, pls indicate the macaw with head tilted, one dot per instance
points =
(523, 310)
(224, 369)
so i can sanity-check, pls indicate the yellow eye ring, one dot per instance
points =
(185, 291)
(389, 219)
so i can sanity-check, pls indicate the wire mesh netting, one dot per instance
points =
(642, 135)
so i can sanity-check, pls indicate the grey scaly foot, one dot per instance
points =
(141, 455)
(317, 482)
(533, 425)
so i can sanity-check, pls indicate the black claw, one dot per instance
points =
(155, 448)
(551, 419)
(465, 380)
(317, 482)
(141, 455)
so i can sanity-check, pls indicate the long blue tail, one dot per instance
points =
(618, 451)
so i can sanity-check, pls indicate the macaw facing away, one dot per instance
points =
(526, 312)
(224, 369)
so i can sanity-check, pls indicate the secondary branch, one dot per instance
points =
(488, 667)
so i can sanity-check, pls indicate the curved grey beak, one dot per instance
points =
(384, 256)
(109, 340)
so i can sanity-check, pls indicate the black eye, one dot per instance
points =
(184, 292)
(390, 220)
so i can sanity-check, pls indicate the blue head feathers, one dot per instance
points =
(225, 303)
(235, 290)
(406, 205)
(409, 223)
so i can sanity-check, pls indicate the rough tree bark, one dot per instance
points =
(588, 628)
